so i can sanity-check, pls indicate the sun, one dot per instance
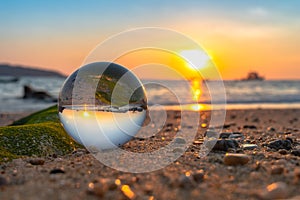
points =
(195, 59)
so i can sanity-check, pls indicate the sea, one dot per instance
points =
(170, 94)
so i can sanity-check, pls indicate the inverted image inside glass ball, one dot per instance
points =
(102, 105)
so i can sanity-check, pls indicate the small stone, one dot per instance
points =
(3, 181)
(272, 129)
(225, 145)
(249, 146)
(228, 125)
(97, 188)
(225, 135)
(236, 159)
(297, 172)
(280, 144)
(185, 181)
(57, 171)
(282, 151)
(169, 124)
(178, 150)
(37, 161)
(278, 190)
(296, 152)
(277, 170)
(179, 140)
(250, 127)
(198, 176)
(236, 136)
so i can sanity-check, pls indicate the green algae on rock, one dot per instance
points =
(39, 134)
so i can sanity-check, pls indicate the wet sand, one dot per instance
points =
(268, 167)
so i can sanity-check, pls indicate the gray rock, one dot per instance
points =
(236, 136)
(280, 144)
(179, 140)
(225, 135)
(225, 144)
(30, 93)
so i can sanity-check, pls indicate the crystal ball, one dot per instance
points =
(102, 105)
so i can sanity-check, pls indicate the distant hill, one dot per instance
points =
(18, 71)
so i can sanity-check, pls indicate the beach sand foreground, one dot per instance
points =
(267, 167)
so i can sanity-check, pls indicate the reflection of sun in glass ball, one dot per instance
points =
(102, 105)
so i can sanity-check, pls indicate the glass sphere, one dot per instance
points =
(102, 105)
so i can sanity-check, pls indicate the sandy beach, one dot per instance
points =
(268, 167)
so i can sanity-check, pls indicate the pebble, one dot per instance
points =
(236, 136)
(179, 140)
(297, 172)
(37, 161)
(225, 144)
(250, 127)
(185, 181)
(280, 144)
(277, 190)
(249, 146)
(272, 129)
(225, 135)
(282, 151)
(97, 189)
(3, 181)
(178, 150)
(236, 159)
(296, 152)
(57, 171)
(277, 170)
(228, 125)
(198, 176)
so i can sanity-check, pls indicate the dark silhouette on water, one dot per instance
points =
(30, 93)
(253, 76)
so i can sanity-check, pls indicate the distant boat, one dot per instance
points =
(253, 76)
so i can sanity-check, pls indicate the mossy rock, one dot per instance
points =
(47, 115)
(39, 134)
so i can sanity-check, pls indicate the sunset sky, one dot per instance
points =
(239, 36)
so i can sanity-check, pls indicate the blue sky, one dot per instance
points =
(56, 28)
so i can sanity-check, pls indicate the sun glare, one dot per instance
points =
(196, 89)
(196, 59)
